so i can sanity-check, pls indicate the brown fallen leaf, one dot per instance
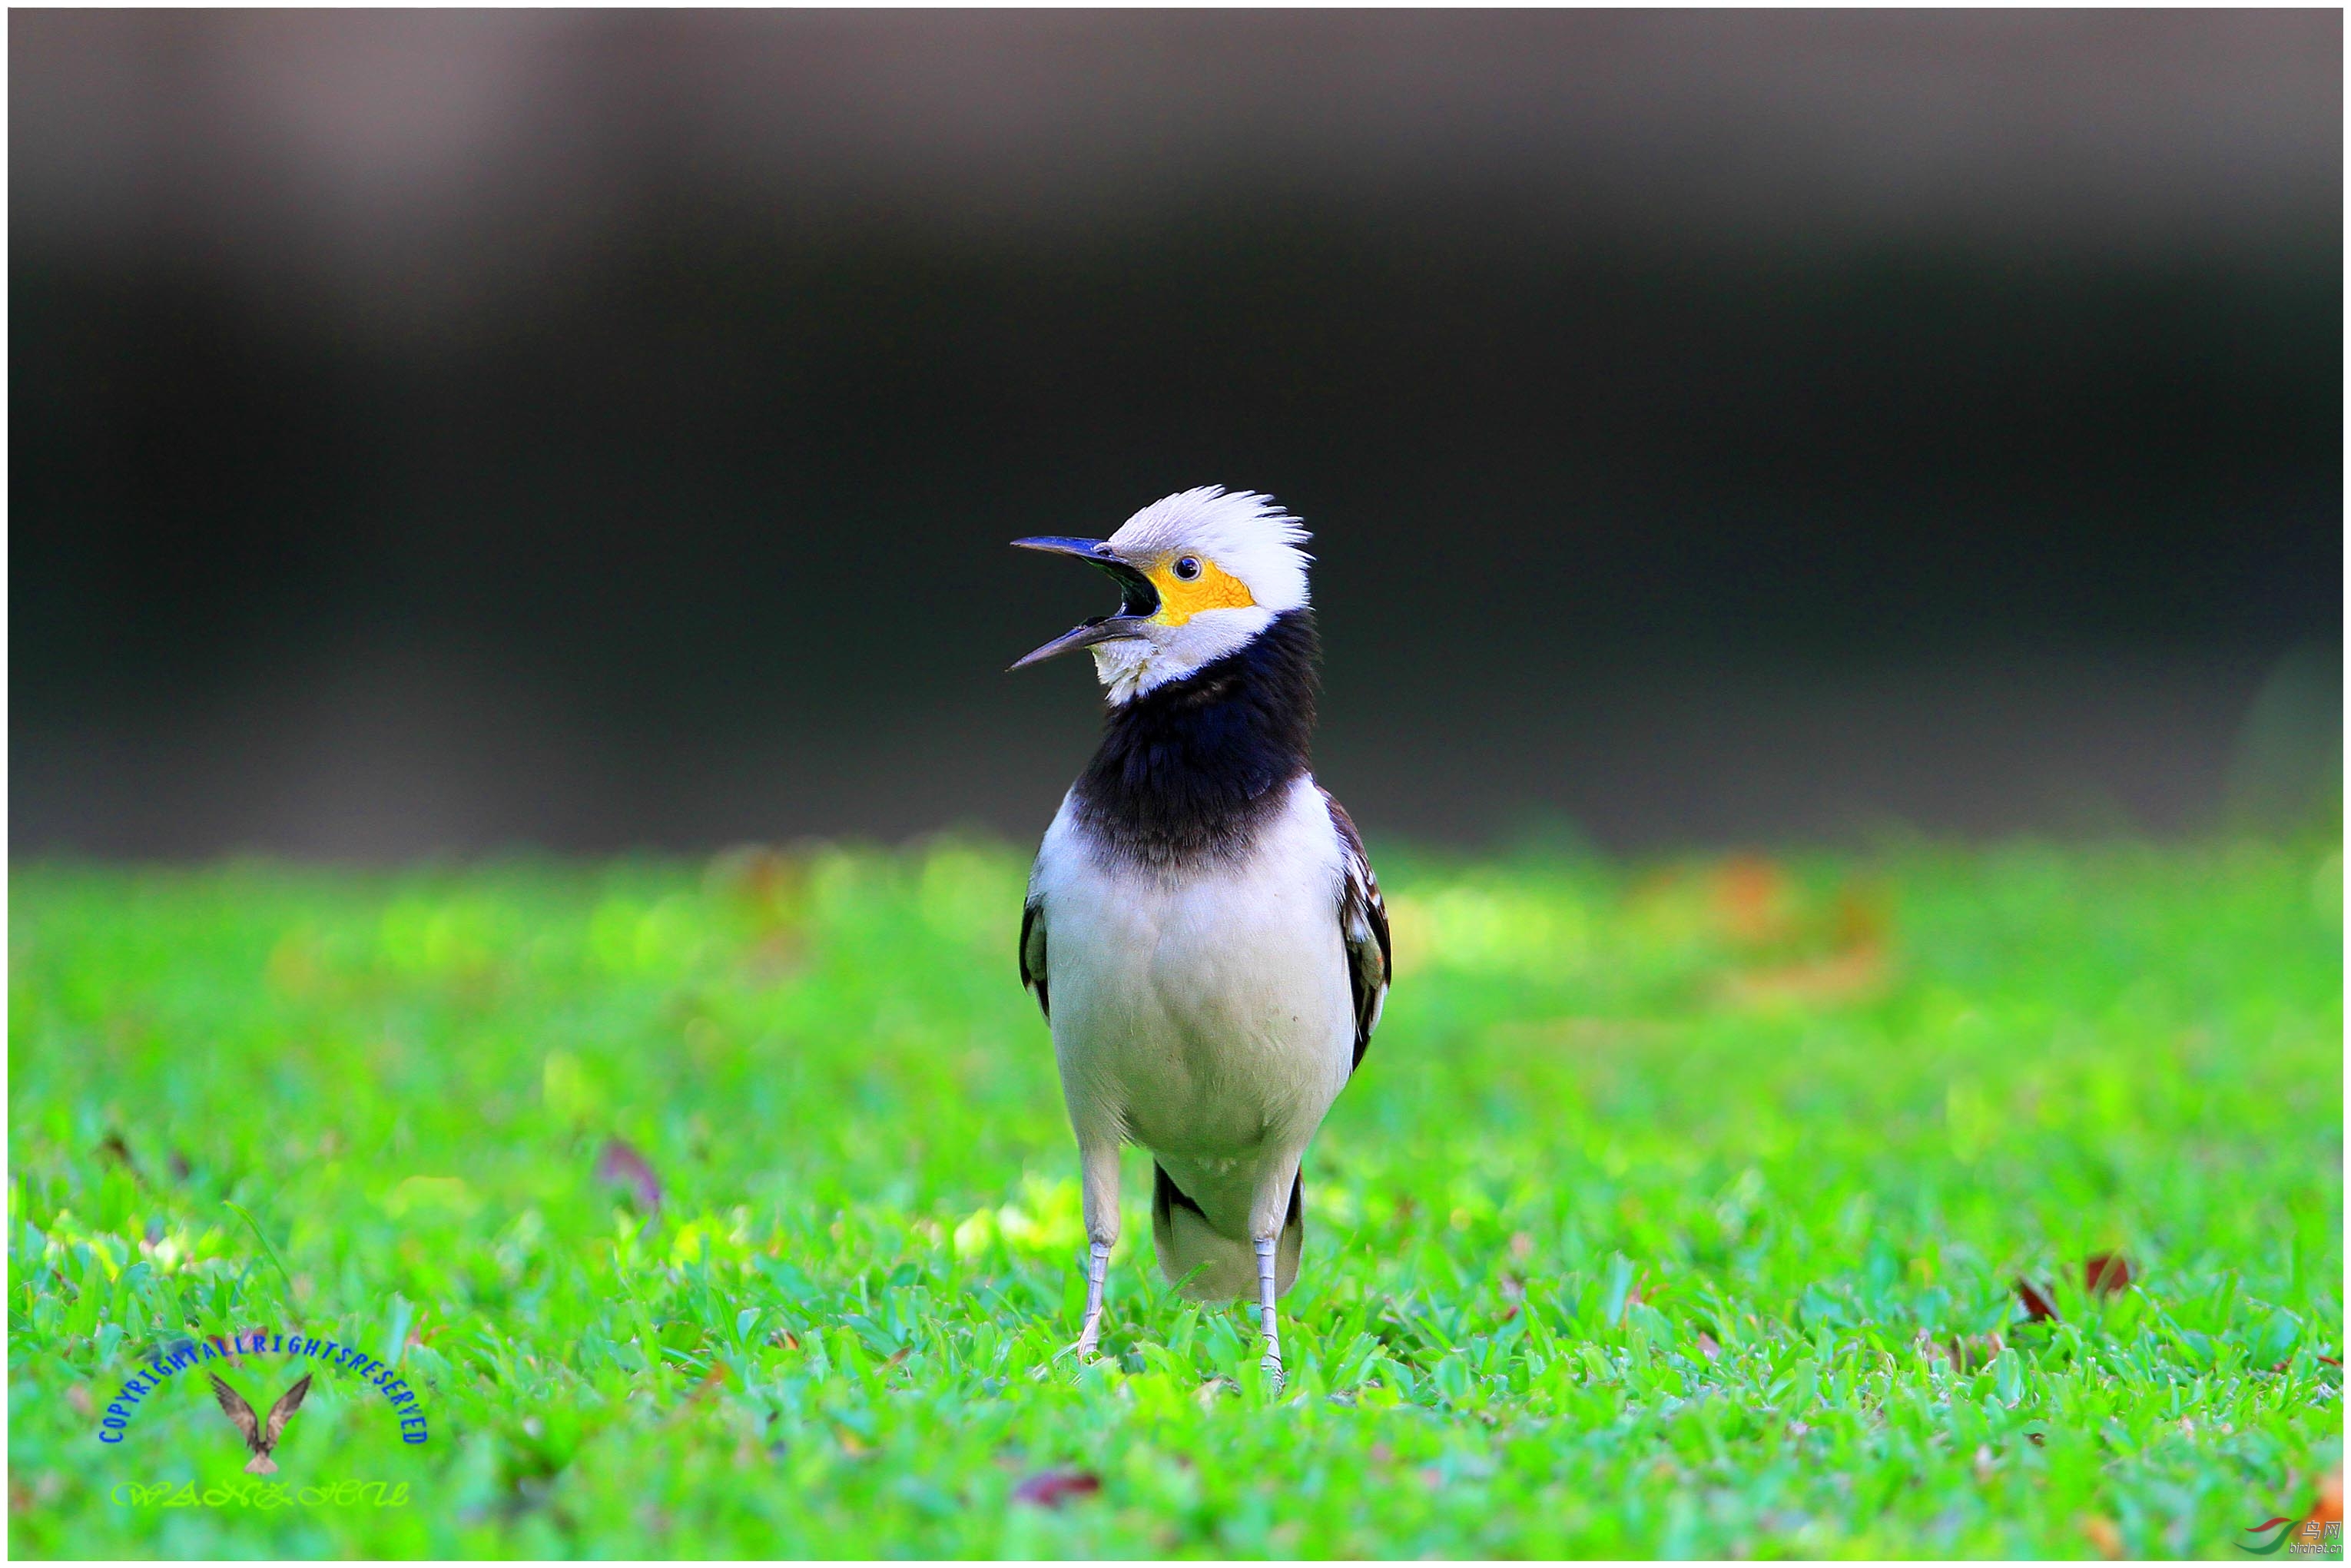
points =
(113, 1148)
(2036, 1305)
(1645, 1292)
(1864, 918)
(2104, 1534)
(1707, 1347)
(621, 1165)
(712, 1382)
(2328, 1508)
(2105, 1273)
(1051, 1489)
(1752, 898)
(768, 880)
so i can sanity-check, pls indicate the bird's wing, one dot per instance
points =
(1363, 926)
(238, 1411)
(283, 1411)
(1032, 954)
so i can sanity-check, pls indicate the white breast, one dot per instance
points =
(1204, 1014)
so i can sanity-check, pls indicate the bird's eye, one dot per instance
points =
(1187, 567)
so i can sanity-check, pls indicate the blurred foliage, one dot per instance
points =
(729, 1209)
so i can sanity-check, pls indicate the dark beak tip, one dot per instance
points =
(1108, 629)
(1051, 544)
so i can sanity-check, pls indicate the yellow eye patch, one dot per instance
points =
(1214, 588)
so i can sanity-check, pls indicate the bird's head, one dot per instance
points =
(1200, 574)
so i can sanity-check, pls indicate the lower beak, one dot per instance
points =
(1138, 599)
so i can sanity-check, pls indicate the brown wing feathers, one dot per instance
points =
(239, 1411)
(1363, 927)
(283, 1411)
(1032, 955)
(258, 1438)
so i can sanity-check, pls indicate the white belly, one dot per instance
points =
(1208, 1016)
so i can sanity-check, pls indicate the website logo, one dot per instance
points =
(2295, 1536)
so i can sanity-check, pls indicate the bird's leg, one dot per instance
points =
(1267, 1319)
(1097, 1265)
(1099, 1161)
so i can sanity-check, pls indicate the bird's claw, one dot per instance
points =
(1084, 1354)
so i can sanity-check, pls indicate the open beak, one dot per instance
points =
(1138, 601)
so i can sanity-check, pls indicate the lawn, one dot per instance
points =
(727, 1208)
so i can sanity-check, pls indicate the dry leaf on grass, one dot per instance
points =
(2328, 1508)
(1051, 1489)
(2106, 1272)
(621, 1165)
(1752, 898)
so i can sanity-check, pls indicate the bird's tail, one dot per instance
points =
(261, 1464)
(1205, 1264)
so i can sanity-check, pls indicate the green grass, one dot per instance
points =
(1638, 1233)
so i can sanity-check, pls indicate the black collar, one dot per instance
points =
(1189, 771)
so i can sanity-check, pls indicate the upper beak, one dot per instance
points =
(1138, 601)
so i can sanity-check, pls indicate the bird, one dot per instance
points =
(1202, 927)
(261, 1440)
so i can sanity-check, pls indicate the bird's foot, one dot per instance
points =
(1086, 1347)
(1090, 1331)
(1079, 1354)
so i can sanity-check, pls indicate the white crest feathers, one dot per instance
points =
(1247, 534)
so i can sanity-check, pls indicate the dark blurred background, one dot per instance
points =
(452, 431)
